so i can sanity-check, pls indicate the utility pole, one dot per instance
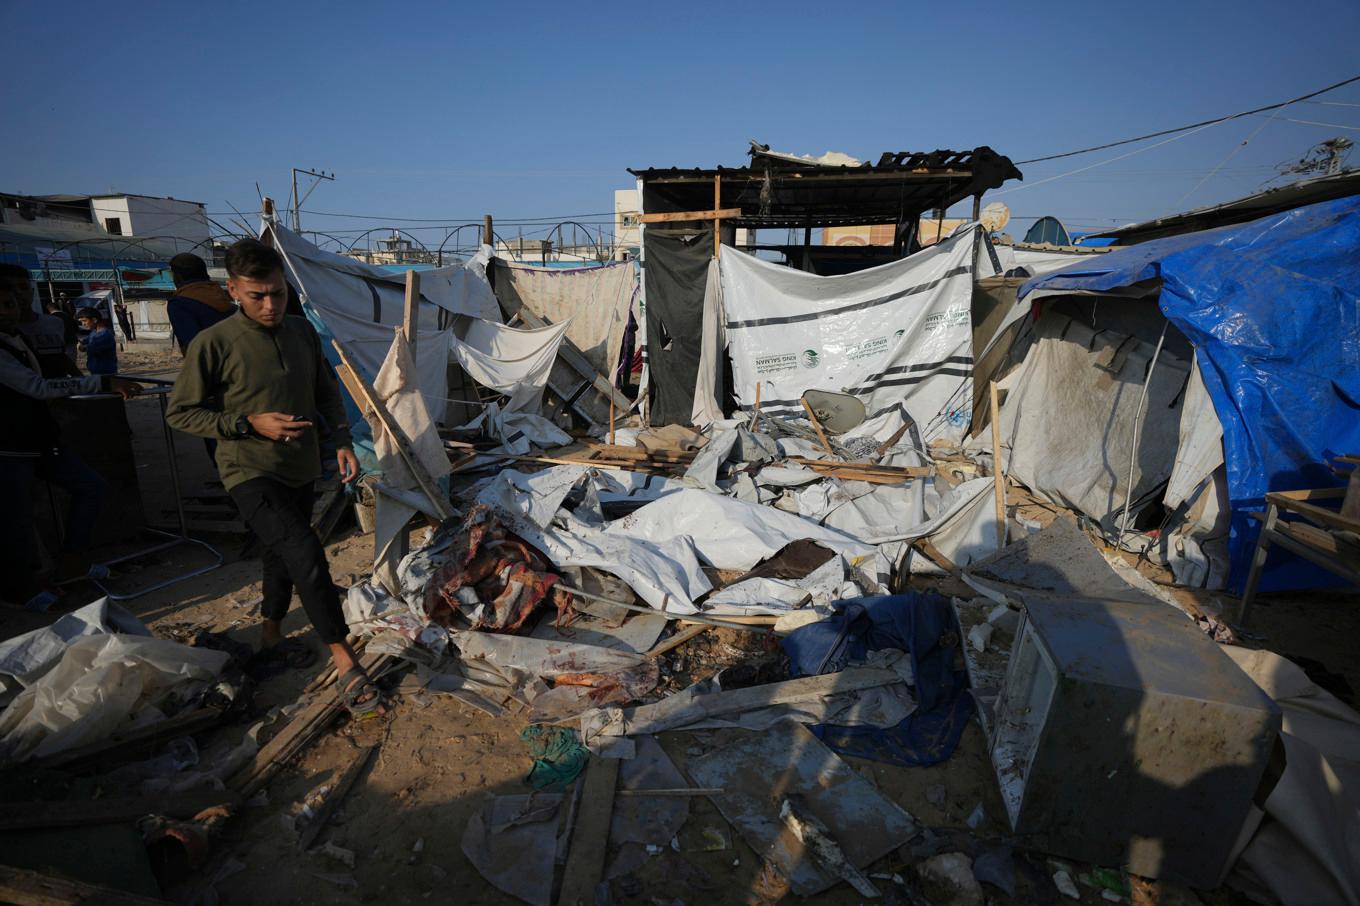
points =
(318, 175)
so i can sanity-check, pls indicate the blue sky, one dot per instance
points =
(529, 110)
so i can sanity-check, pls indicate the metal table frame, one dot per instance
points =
(160, 389)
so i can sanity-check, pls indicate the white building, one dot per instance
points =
(143, 215)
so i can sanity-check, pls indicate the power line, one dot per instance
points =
(1200, 125)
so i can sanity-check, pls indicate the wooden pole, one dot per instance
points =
(717, 206)
(367, 399)
(488, 234)
(998, 472)
(821, 435)
(755, 415)
(410, 320)
(611, 421)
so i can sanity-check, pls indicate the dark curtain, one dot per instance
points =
(675, 269)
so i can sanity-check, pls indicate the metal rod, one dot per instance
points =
(1137, 424)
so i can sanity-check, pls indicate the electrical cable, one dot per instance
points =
(1196, 126)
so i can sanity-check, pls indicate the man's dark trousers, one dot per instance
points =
(281, 518)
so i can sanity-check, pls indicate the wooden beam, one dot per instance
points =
(998, 472)
(717, 221)
(821, 435)
(677, 640)
(590, 837)
(1329, 518)
(31, 888)
(342, 787)
(676, 216)
(368, 398)
(410, 314)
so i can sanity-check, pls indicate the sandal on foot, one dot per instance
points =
(352, 688)
(294, 653)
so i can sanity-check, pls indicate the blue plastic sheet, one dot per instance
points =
(1273, 310)
(919, 623)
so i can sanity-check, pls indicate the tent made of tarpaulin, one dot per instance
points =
(595, 303)
(896, 336)
(360, 305)
(1271, 309)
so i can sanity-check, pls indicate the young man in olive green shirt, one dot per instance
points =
(255, 382)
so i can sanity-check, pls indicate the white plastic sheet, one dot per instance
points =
(101, 683)
(666, 574)
(27, 657)
(891, 335)
(595, 300)
(509, 360)
(734, 534)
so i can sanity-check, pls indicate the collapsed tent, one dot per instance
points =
(360, 304)
(458, 321)
(1255, 338)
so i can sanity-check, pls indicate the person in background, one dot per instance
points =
(43, 333)
(256, 382)
(70, 333)
(101, 349)
(198, 302)
(31, 448)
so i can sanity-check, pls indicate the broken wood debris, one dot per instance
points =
(337, 795)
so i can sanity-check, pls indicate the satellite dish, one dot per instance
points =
(995, 216)
(838, 412)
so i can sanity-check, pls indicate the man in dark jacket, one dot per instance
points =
(31, 448)
(198, 303)
(256, 382)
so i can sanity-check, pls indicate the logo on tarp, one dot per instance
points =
(810, 358)
(897, 334)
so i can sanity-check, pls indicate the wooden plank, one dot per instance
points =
(86, 812)
(821, 435)
(1312, 494)
(410, 313)
(124, 745)
(342, 787)
(1324, 541)
(935, 556)
(305, 727)
(1330, 518)
(590, 837)
(369, 399)
(30, 888)
(997, 470)
(676, 216)
(898, 472)
(677, 640)
(717, 221)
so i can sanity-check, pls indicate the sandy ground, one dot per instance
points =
(439, 760)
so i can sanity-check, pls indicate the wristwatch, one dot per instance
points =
(243, 428)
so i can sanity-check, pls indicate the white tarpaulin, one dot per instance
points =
(360, 304)
(395, 386)
(734, 534)
(1068, 421)
(594, 299)
(664, 573)
(101, 683)
(509, 360)
(897, 334)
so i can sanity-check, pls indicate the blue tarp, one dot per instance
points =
(919, 623)
(1273, 310)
